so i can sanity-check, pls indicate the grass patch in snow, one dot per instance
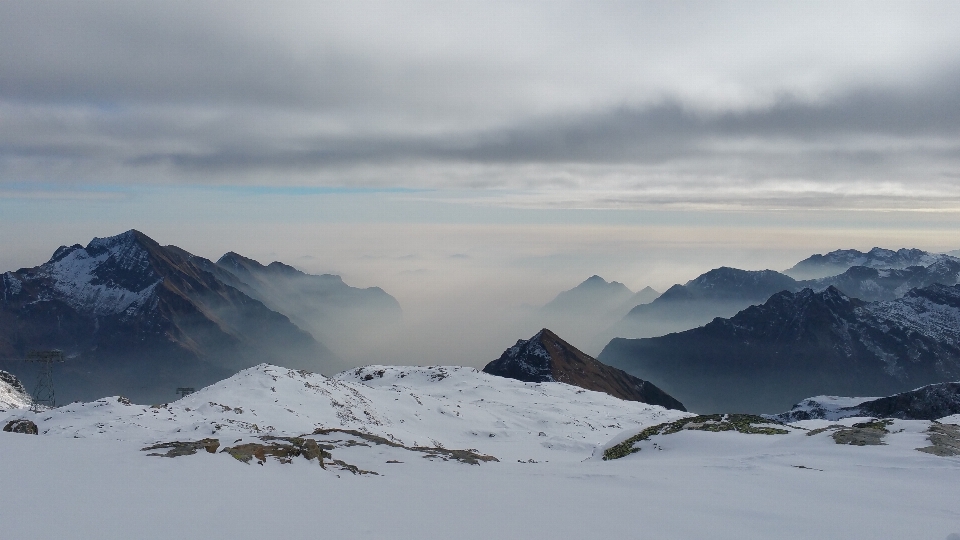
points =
(741, 423)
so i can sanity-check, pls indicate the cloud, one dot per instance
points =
(560, 104)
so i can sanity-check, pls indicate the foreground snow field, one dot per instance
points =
(85, 475)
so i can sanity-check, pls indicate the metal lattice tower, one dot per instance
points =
(43, 393)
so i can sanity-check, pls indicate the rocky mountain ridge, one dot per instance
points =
(929, 402)
(137, 317)
(546, 357)
(724, 291)
(838, 261)
(770, 356)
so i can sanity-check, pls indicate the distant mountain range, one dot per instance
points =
(547, 358)
(583, 311)
(837, 262)
(804, 343)
(140, 319)
(347, 319)
(723, 292)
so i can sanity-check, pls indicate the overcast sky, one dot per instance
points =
(571, 105)
(474, 159)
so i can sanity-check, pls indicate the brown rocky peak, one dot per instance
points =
(546, 357)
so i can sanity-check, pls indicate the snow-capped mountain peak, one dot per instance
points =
(111, 275)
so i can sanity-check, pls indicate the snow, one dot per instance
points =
(76, 284)
(86, 468)
(12, 393)
(821, 407)
(11, 285)
(456, 407)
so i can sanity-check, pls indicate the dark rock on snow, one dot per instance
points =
(545, 357)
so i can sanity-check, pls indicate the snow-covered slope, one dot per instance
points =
(85, 475)
(456, 407)
(12, 393)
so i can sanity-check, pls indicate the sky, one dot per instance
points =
(467, 156)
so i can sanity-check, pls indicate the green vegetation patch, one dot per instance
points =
(741, 423)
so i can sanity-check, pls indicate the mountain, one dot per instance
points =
(770, 356)
(872, 284)
(345, 318)
(837, 262)
(643, 296)
(585, 310)
(725, 291)
(547, 358)
(595, 295)
(930, 402)
(140, 319)
(13, 395)
(721, 292)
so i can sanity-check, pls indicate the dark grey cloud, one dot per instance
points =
(652, 99)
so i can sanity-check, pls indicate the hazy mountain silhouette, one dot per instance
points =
(593, 305)
(347, 319)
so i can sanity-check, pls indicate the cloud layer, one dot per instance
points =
(545, 104)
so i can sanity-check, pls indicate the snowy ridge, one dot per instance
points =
(939, 320)
(842, 259)
(12, 393)
(822, 408)
(75, 278)
(455, 407)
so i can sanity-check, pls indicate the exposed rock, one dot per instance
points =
(470, 457)
(184, 448)
(21, 426)
(545, 357)
(944, 439)
(741, 423)
(862, 434)
(284, 449)
(927, 403)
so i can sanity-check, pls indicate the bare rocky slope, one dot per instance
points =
(547, 358)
